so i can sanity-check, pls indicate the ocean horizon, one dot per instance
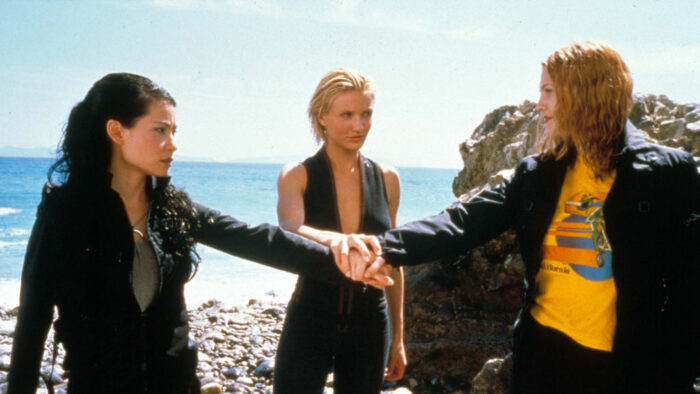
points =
(246, 191)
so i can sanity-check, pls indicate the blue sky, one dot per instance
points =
(242, 72)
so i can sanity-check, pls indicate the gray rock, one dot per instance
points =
(236, 388)
(245, 380)
(494, 377)
(207, 380)
(46, 373)
(7, 327)
(693, 128)
(265, 368)
(276, 312)
(255, 340)
(5, 362)
(5, 348)
(234, 373)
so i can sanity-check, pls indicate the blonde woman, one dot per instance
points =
(335, 192)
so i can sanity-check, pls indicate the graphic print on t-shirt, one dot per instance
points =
(575, 288)
(580, 237)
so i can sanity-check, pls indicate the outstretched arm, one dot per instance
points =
(36, 306)
(460, 227)
(267, 244)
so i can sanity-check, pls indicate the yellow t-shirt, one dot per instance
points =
(576, 289)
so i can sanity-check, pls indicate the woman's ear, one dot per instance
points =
(322, 120)
(115, 131)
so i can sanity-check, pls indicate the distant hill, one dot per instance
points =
(48, 152)
(42, 151)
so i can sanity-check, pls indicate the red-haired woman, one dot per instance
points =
(609, 228)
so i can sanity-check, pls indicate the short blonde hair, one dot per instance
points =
(594, 98)
(332, 84)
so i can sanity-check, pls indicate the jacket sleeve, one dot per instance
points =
(268, 245)
(459, 228)
(36, 305)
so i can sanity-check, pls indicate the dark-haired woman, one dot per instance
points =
(113, 246)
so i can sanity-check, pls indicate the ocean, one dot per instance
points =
(244, 191)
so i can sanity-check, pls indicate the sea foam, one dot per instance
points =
(4, 244)
(8, 211)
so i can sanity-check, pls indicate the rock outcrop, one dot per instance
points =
(459, 314)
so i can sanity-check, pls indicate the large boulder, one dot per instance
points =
(459, 314)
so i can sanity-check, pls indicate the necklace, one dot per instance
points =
(137, 222)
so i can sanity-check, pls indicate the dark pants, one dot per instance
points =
(547, 361)
(355, 348)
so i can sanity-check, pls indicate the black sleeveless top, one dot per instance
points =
(321, 212)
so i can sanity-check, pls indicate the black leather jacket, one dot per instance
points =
(652, 214)
(79, 259)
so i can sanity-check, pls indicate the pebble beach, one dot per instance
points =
(237, 347)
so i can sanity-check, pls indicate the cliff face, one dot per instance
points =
(459, 314)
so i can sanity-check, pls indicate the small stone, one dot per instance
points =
(207, 380)
(255, 340)
(203, 357)
(236, 388)
(5, 349)
(412, 383)
(265, 368)
(7, 327)
(54, 377)
(234, 373)
(212, 388)
(245, 380)
(275, 312)
(693, 128)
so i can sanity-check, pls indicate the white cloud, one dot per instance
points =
(351, 13)
(249, 7)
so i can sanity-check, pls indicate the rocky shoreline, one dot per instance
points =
(236, 348)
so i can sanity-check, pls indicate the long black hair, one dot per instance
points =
(85, 149)
(85, 153)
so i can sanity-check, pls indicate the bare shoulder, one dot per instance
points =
(292, 176)
(391, 176)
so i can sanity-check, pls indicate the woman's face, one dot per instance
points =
(348, 120)
(548, 102)
(148, 146)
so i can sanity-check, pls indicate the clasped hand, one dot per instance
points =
(358, 256)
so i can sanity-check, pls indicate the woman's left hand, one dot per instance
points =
(397, 362)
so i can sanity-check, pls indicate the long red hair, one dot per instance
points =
(594, 97)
